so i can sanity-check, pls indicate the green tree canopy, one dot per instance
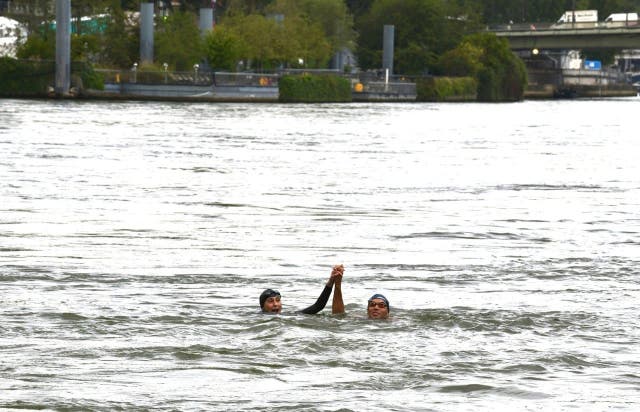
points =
(268, 42)
(178, 41)
(224, 48)
(501, 74)
(332, 16)
(424, 29)
(120, 47)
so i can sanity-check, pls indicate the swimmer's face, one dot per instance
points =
(377, 309)
(272, 305)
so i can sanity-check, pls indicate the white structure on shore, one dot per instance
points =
(11, 34)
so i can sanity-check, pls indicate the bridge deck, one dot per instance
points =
(581, 36)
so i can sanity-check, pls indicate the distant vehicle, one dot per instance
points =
(621, 17)
(621, 20)
(578, 16)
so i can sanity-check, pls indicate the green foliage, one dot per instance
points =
(332, 17)
(90, 78)
(32, 78)
(464, 60)
(501, 75)
(309, 88)
(38, 46)
(84, 46)
(178, 41)
(25, 78)
(439, 89)
(267, 43)
(120, 43)
(42, 46)
(424, 29)
(224, 48)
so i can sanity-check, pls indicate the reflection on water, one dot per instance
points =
(135, 239)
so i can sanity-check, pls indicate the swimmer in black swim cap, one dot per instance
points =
(378, 307)
(270, 299)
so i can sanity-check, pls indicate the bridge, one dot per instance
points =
(571, 36)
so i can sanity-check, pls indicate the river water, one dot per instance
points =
(135, 238)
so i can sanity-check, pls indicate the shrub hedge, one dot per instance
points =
(310, 88)
(25, 78)
(32, 78)
(441, 89)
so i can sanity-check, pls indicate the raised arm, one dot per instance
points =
(322, 300)
(337, 306)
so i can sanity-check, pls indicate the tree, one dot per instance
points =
(178, 41)
(260, 35)
(224, 48)
(331, 16)
(424, 29)
(270, 42)
(245, 7)
(462, 61)
(120, 42)
(501, 74)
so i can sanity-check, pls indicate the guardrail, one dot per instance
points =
(561, 26)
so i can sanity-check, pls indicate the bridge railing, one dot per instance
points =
(519, 27)
(511, 27)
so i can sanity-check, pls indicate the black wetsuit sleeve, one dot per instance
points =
(320, 303)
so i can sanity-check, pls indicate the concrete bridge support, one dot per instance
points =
(63, 47)
(206, 20)
(146, 33)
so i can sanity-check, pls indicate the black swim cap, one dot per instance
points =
(268, 293)
(379, 296)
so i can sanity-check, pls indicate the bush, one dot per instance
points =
(309, 88)
(32, 78)
(90, 79)
(24, 77)
(503, 75)
(439, 89)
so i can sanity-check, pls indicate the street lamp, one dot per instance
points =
(165, 66)
(195, 69)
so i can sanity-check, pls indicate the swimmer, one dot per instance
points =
(377, 305)
(271, 300)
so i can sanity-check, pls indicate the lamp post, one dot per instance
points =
(195, 69)
(134, 69)
(165, 66)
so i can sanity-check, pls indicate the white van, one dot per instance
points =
(621, 17)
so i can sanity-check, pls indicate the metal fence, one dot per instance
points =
(388, 88)
(369, 82)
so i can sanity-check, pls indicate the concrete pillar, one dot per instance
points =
(63, 47)
(206, 20)
(387, 47)
(338, 60)
(146, 33)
